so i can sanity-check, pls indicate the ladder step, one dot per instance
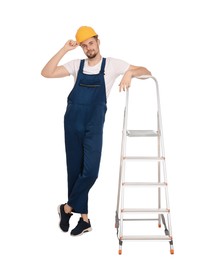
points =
(142, 237)
(144, 210)
(141, 133)
(145, 184)
(150, 158)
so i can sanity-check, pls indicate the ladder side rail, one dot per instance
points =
(163, 153)
(123, 148)
(159, 117)
(121, 168)
(162, 146)
(159, 168)
(161, 134)
(122, 163)
(168, 204)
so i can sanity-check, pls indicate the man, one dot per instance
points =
(84, 117)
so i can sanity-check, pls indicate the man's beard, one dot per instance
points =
(91, 55)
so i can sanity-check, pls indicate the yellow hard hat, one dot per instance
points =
(84, 33)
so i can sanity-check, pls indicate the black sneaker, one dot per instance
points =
(81, 228)
(64, 218)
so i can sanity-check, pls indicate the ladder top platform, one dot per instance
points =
(140, 133)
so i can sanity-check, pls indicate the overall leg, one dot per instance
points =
(74, 151)
(74, 157)
(92, 155)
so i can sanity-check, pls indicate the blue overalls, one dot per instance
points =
(83, 123)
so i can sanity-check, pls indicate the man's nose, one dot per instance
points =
(87, 48)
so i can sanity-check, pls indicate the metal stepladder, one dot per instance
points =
(158, 187)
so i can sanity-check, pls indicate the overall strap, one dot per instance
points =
(81, 66)
(103, 65)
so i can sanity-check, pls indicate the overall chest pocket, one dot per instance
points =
(90, 82)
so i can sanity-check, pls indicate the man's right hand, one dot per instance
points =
(70, 45)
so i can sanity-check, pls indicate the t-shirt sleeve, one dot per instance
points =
(72, 67)
(119, 66)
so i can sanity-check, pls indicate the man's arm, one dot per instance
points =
(133, 71)
(51, 69)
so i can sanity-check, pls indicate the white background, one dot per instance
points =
(164, 36)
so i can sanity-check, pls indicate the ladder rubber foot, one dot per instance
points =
(120, 252)
(172, 251)
(159, 225)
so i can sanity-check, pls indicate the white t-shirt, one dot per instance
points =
(113, 69)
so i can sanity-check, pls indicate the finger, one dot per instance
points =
(120, 87)
(73, 43)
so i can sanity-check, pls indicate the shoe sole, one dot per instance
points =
(58, 209)
(84, 231)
